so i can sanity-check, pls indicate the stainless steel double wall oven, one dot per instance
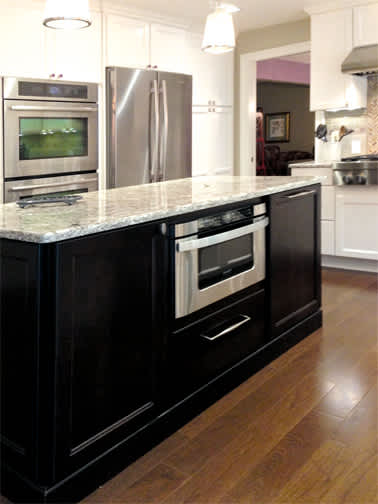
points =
(50, 138)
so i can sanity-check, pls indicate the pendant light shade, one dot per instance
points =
(67, 14)
(219, 34)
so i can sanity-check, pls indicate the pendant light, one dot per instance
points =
(67, 14)
(219, 34)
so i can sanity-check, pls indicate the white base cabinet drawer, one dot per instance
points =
(328, 237)
(328, 203)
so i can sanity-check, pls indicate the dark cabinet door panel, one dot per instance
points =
(294, 257)
(108, 354)
(19, 266)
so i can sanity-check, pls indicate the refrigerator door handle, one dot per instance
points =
(155, 148)
(164, 149)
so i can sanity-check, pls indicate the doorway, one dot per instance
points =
(248, 99)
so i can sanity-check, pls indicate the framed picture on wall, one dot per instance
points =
(277, 127)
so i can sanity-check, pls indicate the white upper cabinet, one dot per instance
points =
(332, 41)
(75, 55)
(127, 42)
(213, 76)
(22, 42)
(168, 49)
(365, 25)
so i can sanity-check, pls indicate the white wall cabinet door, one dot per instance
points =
(76, 55)
(365, 20)
(201, 156)
(357, 222)
(213, 76)
(127, 42)
(332, 40)
(212, 142)
(22, 42)
(168, 48)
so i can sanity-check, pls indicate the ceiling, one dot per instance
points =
(254, 13)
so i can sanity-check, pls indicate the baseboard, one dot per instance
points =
(350, 263)
(89, 478)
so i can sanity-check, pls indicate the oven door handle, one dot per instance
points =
(188, 245)
(245, 320)
(40, 108)
(47, 186)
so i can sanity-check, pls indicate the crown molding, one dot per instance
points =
(332, 5)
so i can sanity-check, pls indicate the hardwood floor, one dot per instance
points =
(303, 430)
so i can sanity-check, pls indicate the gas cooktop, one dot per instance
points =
(364, 157)
(357, 170)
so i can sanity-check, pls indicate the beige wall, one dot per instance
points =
(258, 40)
(277, 97)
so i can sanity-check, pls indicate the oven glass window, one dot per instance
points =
(46, 138)
(225, 260)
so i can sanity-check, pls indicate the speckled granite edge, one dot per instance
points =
(112, 223)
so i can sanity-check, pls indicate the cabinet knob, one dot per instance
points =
(60, 76)
(155, 66)
(148, 66)
(52, 76)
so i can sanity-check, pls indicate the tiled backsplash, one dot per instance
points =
(372, 113)
(363, 122)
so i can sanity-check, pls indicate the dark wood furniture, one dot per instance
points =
(95, 371)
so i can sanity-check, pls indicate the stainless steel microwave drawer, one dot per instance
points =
(203, 351)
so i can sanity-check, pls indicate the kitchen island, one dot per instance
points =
(96, 367)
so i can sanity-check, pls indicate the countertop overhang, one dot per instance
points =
(117, 208)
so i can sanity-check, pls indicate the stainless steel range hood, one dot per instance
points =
(362, 61)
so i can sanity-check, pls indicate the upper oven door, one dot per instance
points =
(212, 268)
(46, 138)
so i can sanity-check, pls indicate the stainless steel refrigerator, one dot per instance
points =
(149, 126)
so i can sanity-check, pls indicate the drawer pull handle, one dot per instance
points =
(245, 320)
(299, 195)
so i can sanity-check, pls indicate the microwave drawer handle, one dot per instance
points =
(188, 245)
(245, 320)
(47, 186)
(40, 108)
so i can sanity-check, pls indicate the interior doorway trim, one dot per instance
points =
(248, 78)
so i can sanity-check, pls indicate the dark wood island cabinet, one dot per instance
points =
(95, 371)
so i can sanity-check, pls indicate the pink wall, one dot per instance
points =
(283, 71)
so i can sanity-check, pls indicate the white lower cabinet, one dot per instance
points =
(328, 237)
(357, 222)
(328, 203)
(212, 141)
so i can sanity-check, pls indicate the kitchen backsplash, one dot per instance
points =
(372, 113)
(363, 122)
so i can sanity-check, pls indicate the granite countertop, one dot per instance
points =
(312, 164)
(118, 208)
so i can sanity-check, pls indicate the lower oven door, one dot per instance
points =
(59, 186)
(212, 268)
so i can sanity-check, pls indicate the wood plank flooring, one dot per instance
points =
(302, 430)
